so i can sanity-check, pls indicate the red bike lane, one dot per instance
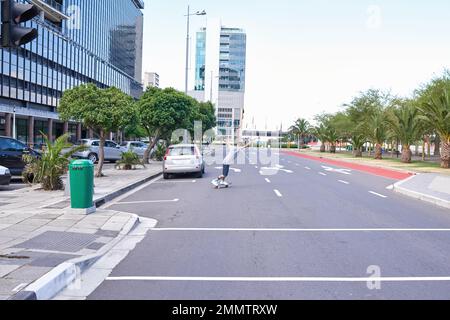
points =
(381, 172)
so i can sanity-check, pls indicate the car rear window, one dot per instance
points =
(182, 151)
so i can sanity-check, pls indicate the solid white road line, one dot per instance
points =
(278, 193)
(378, 195)
(284, 279)
(297, 230)
(176, 181)
(268, 181)
(150, 201)
(344, 182)
(323, 174)
(130, 193)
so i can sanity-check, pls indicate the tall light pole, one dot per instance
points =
(189, 14)
(14, 124)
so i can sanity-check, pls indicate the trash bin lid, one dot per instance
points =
(82, 163)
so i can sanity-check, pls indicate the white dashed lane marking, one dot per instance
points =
(278, 193)
(344, 182)
(378, 195)
(268, 181)
(323, 174)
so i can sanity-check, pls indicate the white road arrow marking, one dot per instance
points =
(343, 171)
(232, 169)
(275, 169)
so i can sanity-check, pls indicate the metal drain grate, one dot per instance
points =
(60, 205)
(59, 241)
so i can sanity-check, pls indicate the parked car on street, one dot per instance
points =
(183, 158)
(11, 153)
(113, 151)
(5, 176)
(136, 146)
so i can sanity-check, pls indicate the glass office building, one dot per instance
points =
(80, 41)
(232, 60)
(220, 74)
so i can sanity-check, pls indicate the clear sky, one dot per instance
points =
(309, 56)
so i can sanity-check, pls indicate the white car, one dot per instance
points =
(5, 176)
(183, 158)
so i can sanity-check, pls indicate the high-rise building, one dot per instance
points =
(80, 41)
(220, 67)
(151, 79)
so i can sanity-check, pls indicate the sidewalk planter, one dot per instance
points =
(81, 184)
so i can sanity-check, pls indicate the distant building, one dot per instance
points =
(220, 69)
(151, 79)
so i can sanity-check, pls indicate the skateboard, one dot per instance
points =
(220, 185)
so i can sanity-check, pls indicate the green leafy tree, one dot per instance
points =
(207, 113)
(163, 111)
(101, 110)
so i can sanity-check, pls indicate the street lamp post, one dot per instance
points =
(189, 14)
(14, 124)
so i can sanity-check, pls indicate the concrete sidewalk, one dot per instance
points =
(39, 235)
(428, 187)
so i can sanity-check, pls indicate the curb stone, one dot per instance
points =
(420, 196)
(111, 196)
(63, 275)
(48, 286)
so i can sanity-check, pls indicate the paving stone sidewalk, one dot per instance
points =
(38, 232)
(430, 187)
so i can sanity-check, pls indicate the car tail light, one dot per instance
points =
(167, 153)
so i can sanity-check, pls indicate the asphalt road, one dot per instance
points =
(308, 232)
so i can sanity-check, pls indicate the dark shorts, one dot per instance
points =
(226, 170)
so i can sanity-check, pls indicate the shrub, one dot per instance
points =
(160, 152)
(129, 161)
(51, 165)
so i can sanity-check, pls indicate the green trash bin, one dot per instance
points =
(81, 184)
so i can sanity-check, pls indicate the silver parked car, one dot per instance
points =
(183, 158)
(136, 146)
(113, 152)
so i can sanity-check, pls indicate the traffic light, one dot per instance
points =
(13, 14)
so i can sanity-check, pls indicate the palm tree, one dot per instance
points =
(376, 130)
(320, 133)
(358, 140)
(301, 129)
(332, 137)
(52, 164)
(406, 126)
(436, 113)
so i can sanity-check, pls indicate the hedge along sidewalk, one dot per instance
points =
(56, 234)
(387, 163)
